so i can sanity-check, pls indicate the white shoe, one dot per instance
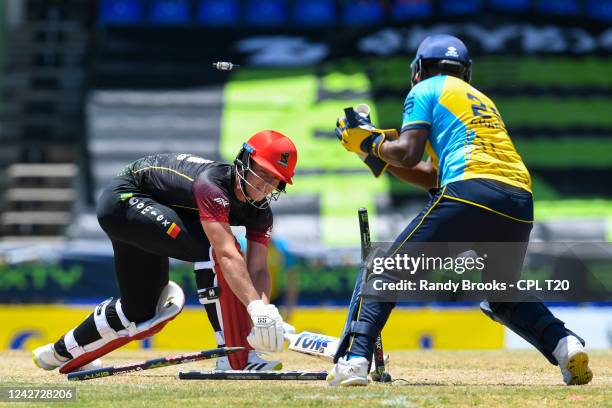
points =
(255, 362)
(46, 357)
(349, 373)
(573, 361)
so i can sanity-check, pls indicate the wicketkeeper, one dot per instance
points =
(481, 192)
(182, 206)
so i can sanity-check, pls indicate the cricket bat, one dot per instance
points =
(314, 344)
(318, 345)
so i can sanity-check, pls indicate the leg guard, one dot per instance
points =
(358, 340)
(365, 320)
(208, 296)
(532, 321)
(352, 315)
(235, 322)
(170, 304)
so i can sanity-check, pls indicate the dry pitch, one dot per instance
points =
(430, 379)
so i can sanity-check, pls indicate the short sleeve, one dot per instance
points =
(261, 230)
(213, 202)
(419, 106)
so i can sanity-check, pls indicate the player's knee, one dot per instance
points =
(139, 313)
(146, 306)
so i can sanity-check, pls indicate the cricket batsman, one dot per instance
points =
(182, 206)
(481, 192)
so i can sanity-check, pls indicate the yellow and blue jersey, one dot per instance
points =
(467, 136)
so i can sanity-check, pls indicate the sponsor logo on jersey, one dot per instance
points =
(153, 213)
(221, 201)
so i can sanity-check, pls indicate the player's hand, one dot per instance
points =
(358, 135)
(267, 333)
(357, 139)
(288, 329)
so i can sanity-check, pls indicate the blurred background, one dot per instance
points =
(87, 86)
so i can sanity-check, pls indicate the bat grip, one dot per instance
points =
(351, 121)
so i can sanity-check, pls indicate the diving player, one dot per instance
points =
(182, 206)
(481, 192)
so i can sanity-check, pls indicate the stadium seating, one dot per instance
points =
(169, 12)
(218, 12)
(362, 12)
(314, 12)
(453, 7)
(266, 12)
(559, 7)
(510, 5)
(600, 10)
(403, 10)
(121, 12)
(319, 13)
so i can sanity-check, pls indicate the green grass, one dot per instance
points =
(430, 379)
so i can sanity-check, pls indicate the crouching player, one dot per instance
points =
(182, 206)
(481, 193)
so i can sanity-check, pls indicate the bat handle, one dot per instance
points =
(349, 113)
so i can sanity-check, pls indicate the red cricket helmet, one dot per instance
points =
(275, 152)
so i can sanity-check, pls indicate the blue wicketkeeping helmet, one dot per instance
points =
(450, 53)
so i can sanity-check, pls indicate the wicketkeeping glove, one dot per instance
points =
(357, 134)
(376, 165)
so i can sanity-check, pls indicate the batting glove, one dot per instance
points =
(267, 333)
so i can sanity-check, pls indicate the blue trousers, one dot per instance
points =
(476, 210)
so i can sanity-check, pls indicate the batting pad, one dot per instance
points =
(171, 302)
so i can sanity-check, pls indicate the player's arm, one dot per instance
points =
(407, 150)
(257, 265)
(423, 174)
(230, 260)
